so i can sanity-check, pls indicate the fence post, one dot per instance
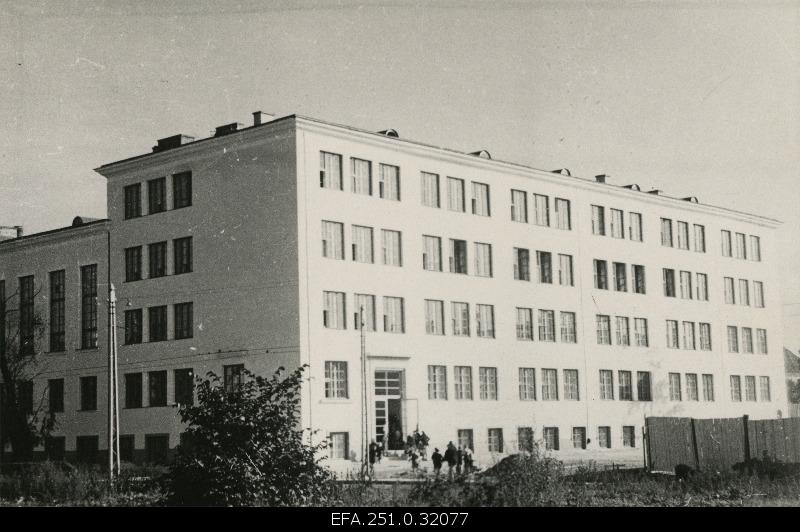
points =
(694, 447)
(746, 432)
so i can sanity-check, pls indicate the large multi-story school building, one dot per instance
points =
(497, 304)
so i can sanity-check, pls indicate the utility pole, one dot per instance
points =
(113, 400)
(364, 402)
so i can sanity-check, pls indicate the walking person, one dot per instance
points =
(437, 458)
(459, 459)
(467, 460)
(373, 453)
(450, 458)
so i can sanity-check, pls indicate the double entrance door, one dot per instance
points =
(389, 409)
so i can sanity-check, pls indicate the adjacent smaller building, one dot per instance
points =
(792, 363)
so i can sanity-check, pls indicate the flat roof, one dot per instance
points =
(55, 231)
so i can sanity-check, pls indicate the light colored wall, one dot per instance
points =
(416, 350)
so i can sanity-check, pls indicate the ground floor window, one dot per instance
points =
(550, 435)
(86, 449)
(604, 437)
(525, 439)
(339, 445)
(126, 447)
(579, 437)
(156, 448)
(495, 440)
(465, 439)
(629, 436)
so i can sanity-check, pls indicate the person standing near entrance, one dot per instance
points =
(459, 459)
(436, 458)
(450, 458)
(467, 460)
(373, 453)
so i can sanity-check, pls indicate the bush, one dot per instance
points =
(245, 448)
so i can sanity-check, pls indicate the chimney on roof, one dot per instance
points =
(601, 178)
(227, 129)
(260, 117)
(19, 230)
(655, 192)
(10, 233)
(167, 143)
(390, 133)
(483, 154)
(562, 171)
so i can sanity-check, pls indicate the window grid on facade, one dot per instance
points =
(133, 264)
(600, 274)
(330, 171)
(549, 385)
(455, 194)
(666, 232)
(568, 328)
(89, 306)
(157, 195)
(333, 313)
(182, 190)
(606, 385)
(232, 378)
(157, 259)
(362, 244)
(620, 277)
(750, 388)
(88, 393)
(579, 437)
(488, 383)
(432, 253)
(57, 311)
(182, 255)
(604, 437)
(480, 199)
(547, 326)
(463, 382)
(675, 393)
(598, 220)
(708, 387)
(640, 332)
(184, 320)
(625, 385)
(133, 326)
(571, 388)
(333, 240)
(736, 388)
(336, 380)
(603, 329)
(184, 386)
(541, 210)
(157, 388)
(764, 390)
(699, 238)
(484, 316)
(623, 331)
(524, 324)
(519, 206)
(393, 315)
(643, 388)
(483, 259)
(639, 283)
(705, 336)
(458, 256)
(683, 235)
(544, 263)
(392, 247)
(133, 201)
(157, 321)
(563, 214)
(361, 176)
(434, 316)
(364, 312)
(430, 190)
(522, 264)
(551, 439)
(692, 393)
(495, 440)
(635, 229)
(437, 382)
(565, 275)
(460, 313)
(673, 341)
(527, 384)
(761, 335)
(628, 436)
(688, 335)
(617, 224)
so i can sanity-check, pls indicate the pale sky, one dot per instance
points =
(695, 98)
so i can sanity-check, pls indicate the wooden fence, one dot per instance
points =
(719, 444)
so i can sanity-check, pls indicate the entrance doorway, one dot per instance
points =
(389, 409)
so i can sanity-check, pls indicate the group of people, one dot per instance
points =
(456, 458)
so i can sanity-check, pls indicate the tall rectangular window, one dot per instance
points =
(157, 195)
(762, 341)
(551, 439)
(57, 317)
(692, 393)
(362, 244)
(635, 229)
(600, 274)
(565, 277)
(702, 287)
(88, 393)
(133, 264)
(708, 387)
(547, 326)
(519, 206)
(430, 190)
(726, 243)
(393, 315)
(465, 439)
(437, 382)
(683, 235)
(603, 329)
(747, 340)
(460, 318)
(563, 215)
(522, 264)
(336, 380)
(544, 264)
(390, 182)
(333, 240)
(733, 339)
(549, 385)
(434, 317)
(568, 333)
(758, 294)
(184, 320)
(483, 259)
(750, 388)
(620, 277)
(182, 249)
(744, 292)
(485, 319)
(89, 306)
(455, 194)
(741, 246)
(623, 331)
(333, 313)
(463, 382)
(736, 388)
(392, 247)
(604, 437)
(524, 324)
(26, 315)
(364, 312)
(764, 388)
(184, 386)
(730, 291)
(488, 383)
(158, 323)
(232, 378)
(643, 389)
(157, 388)
(432, 253)
(640, 332)
(699, 238)
(598, 220)
(330, 171)
(86, 449)
(625, 385)
(705, 336)
(527, 384)
(617, 224)
(666, 232)
(525, 439)
(628, 436)
(157, 259)
(579, 437)
(686, 285)
(571, 390)
(458, 256)
(673, 341)
(541, 210)
(133, 201)
(133, 326)
(675, 387)
(361, 176)
(480, 199)
(606, 385)
(755, 248)
(639, 282)
(669, 282)
(495, 440)
(55, 395)
(181, 190)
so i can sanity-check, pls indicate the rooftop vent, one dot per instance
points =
(601, 178)
(691, 199)
(562, 171)
(633, 187)
(80, 220)
(655, 192)
(389, 133)
(10, 233)
(260, 117)
(174, 141)
(227, 129)
(483, 154)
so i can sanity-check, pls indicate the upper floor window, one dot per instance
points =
(640, 332)
(726, 243)
(361, 171)
(488, 383)
(522, 264)
(519, 206)
(606, 384)
(524, 324)
(158, 323)
(330, 170)
(333, 313)
(157, 254)
(184, 320)
(673, 339)
(434, 316)
(568, 330)
(547, 326)
(736, 388)
(686, 285)
(362, 244)
(437, 382)
(699, 238)
(730, 290)
(603, 329)
(133, 326)
(133, 201)
(563, 215)
(705, 336)
(741, 246)
(755, 248)
(458, 256)
(643, 387)
(88, 391)
(639, 282)
(527, 384)
(683, 235)
(571, 392)
(365, 312)
(541, 210)
(669, 282)
(182, 249)
(480, 199)
(617, 224)
(133, 264)
(393, 315)
(549, 385)
(232, 378)
(157, 195)
(635, 228)
(483, 259)
(181, 190)
(600, 274)
(623, 331)
(702, 287)
(455, 194)
(565, 270)
(392, 247)
(89, 306)
(484, 316)
(460, 318)
(157, 388)
(598, 220)
(463, 382)
(432, 253)
(666, 232)
(430, 190)
(57, 311)
(544, 262)
(620, 277)
(390, 182)
(758, 294)
(333, 240)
